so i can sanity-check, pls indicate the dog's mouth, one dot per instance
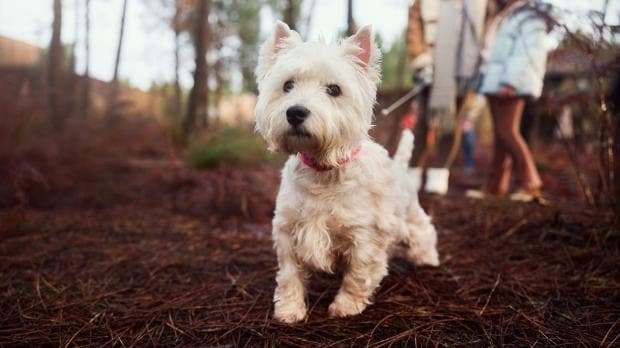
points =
(298, 133)
(297, 139)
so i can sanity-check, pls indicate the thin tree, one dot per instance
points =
(197, 105)
(119, 48)
(291, 13)
(248, 31)
(55, 68)
(75, 78)
(76, 29)
(615, 104)
(114, 94)
(217, 71)
(350, 21)
(289, 10)
(176, 24)
(86, 76)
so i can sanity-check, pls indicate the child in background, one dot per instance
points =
(514, 56)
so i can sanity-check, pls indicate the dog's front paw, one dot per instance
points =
(289, 312)
(345, 306)
(432, 259)
(428, 257)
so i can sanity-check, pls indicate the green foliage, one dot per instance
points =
(248, 31)
(288, 11)
(396, 70)
(230, 145)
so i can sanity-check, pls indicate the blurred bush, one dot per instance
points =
(232, 146)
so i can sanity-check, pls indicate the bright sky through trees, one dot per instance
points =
(148, 49)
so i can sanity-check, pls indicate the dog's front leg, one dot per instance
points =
(289, 302)
(367, 267)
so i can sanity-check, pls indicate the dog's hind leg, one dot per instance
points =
(421, 236)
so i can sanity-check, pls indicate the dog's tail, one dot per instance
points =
(405, 148)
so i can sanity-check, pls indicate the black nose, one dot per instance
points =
(296, 114)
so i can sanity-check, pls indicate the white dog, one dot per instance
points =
(342, 200)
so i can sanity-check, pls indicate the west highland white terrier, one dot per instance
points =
(343, 202)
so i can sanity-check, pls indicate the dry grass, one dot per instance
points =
(142, 271)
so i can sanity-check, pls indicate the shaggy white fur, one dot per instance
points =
(317, 99)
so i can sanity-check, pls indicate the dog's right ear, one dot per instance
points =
(364, 52)
(280, 40)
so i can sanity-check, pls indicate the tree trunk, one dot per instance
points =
(220, 87)
(197, 105)
(177, 63)
(55, 69)
(120, 43)
(76, 29)
(290, 14)
(112, 106)
(76, 88)
(617, 166)
(616, 157)
(614, 99)
(86, 77)
(350, 21)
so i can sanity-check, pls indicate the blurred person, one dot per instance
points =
(421, 32)
(527, 121)
(514, 59)
(468, 144)
(471, 113)
(444, 42)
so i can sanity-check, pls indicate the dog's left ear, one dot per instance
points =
(364, 51)
(280, 40)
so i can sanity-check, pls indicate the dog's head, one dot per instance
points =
(315, 97)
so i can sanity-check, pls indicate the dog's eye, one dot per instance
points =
(333, 90)
(288, 86)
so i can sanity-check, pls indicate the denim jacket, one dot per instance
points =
(517, 56)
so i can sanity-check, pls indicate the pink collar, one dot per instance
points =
(311, 162)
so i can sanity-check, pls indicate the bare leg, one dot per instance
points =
(498, 180)
(367, 267)
(507, 112)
